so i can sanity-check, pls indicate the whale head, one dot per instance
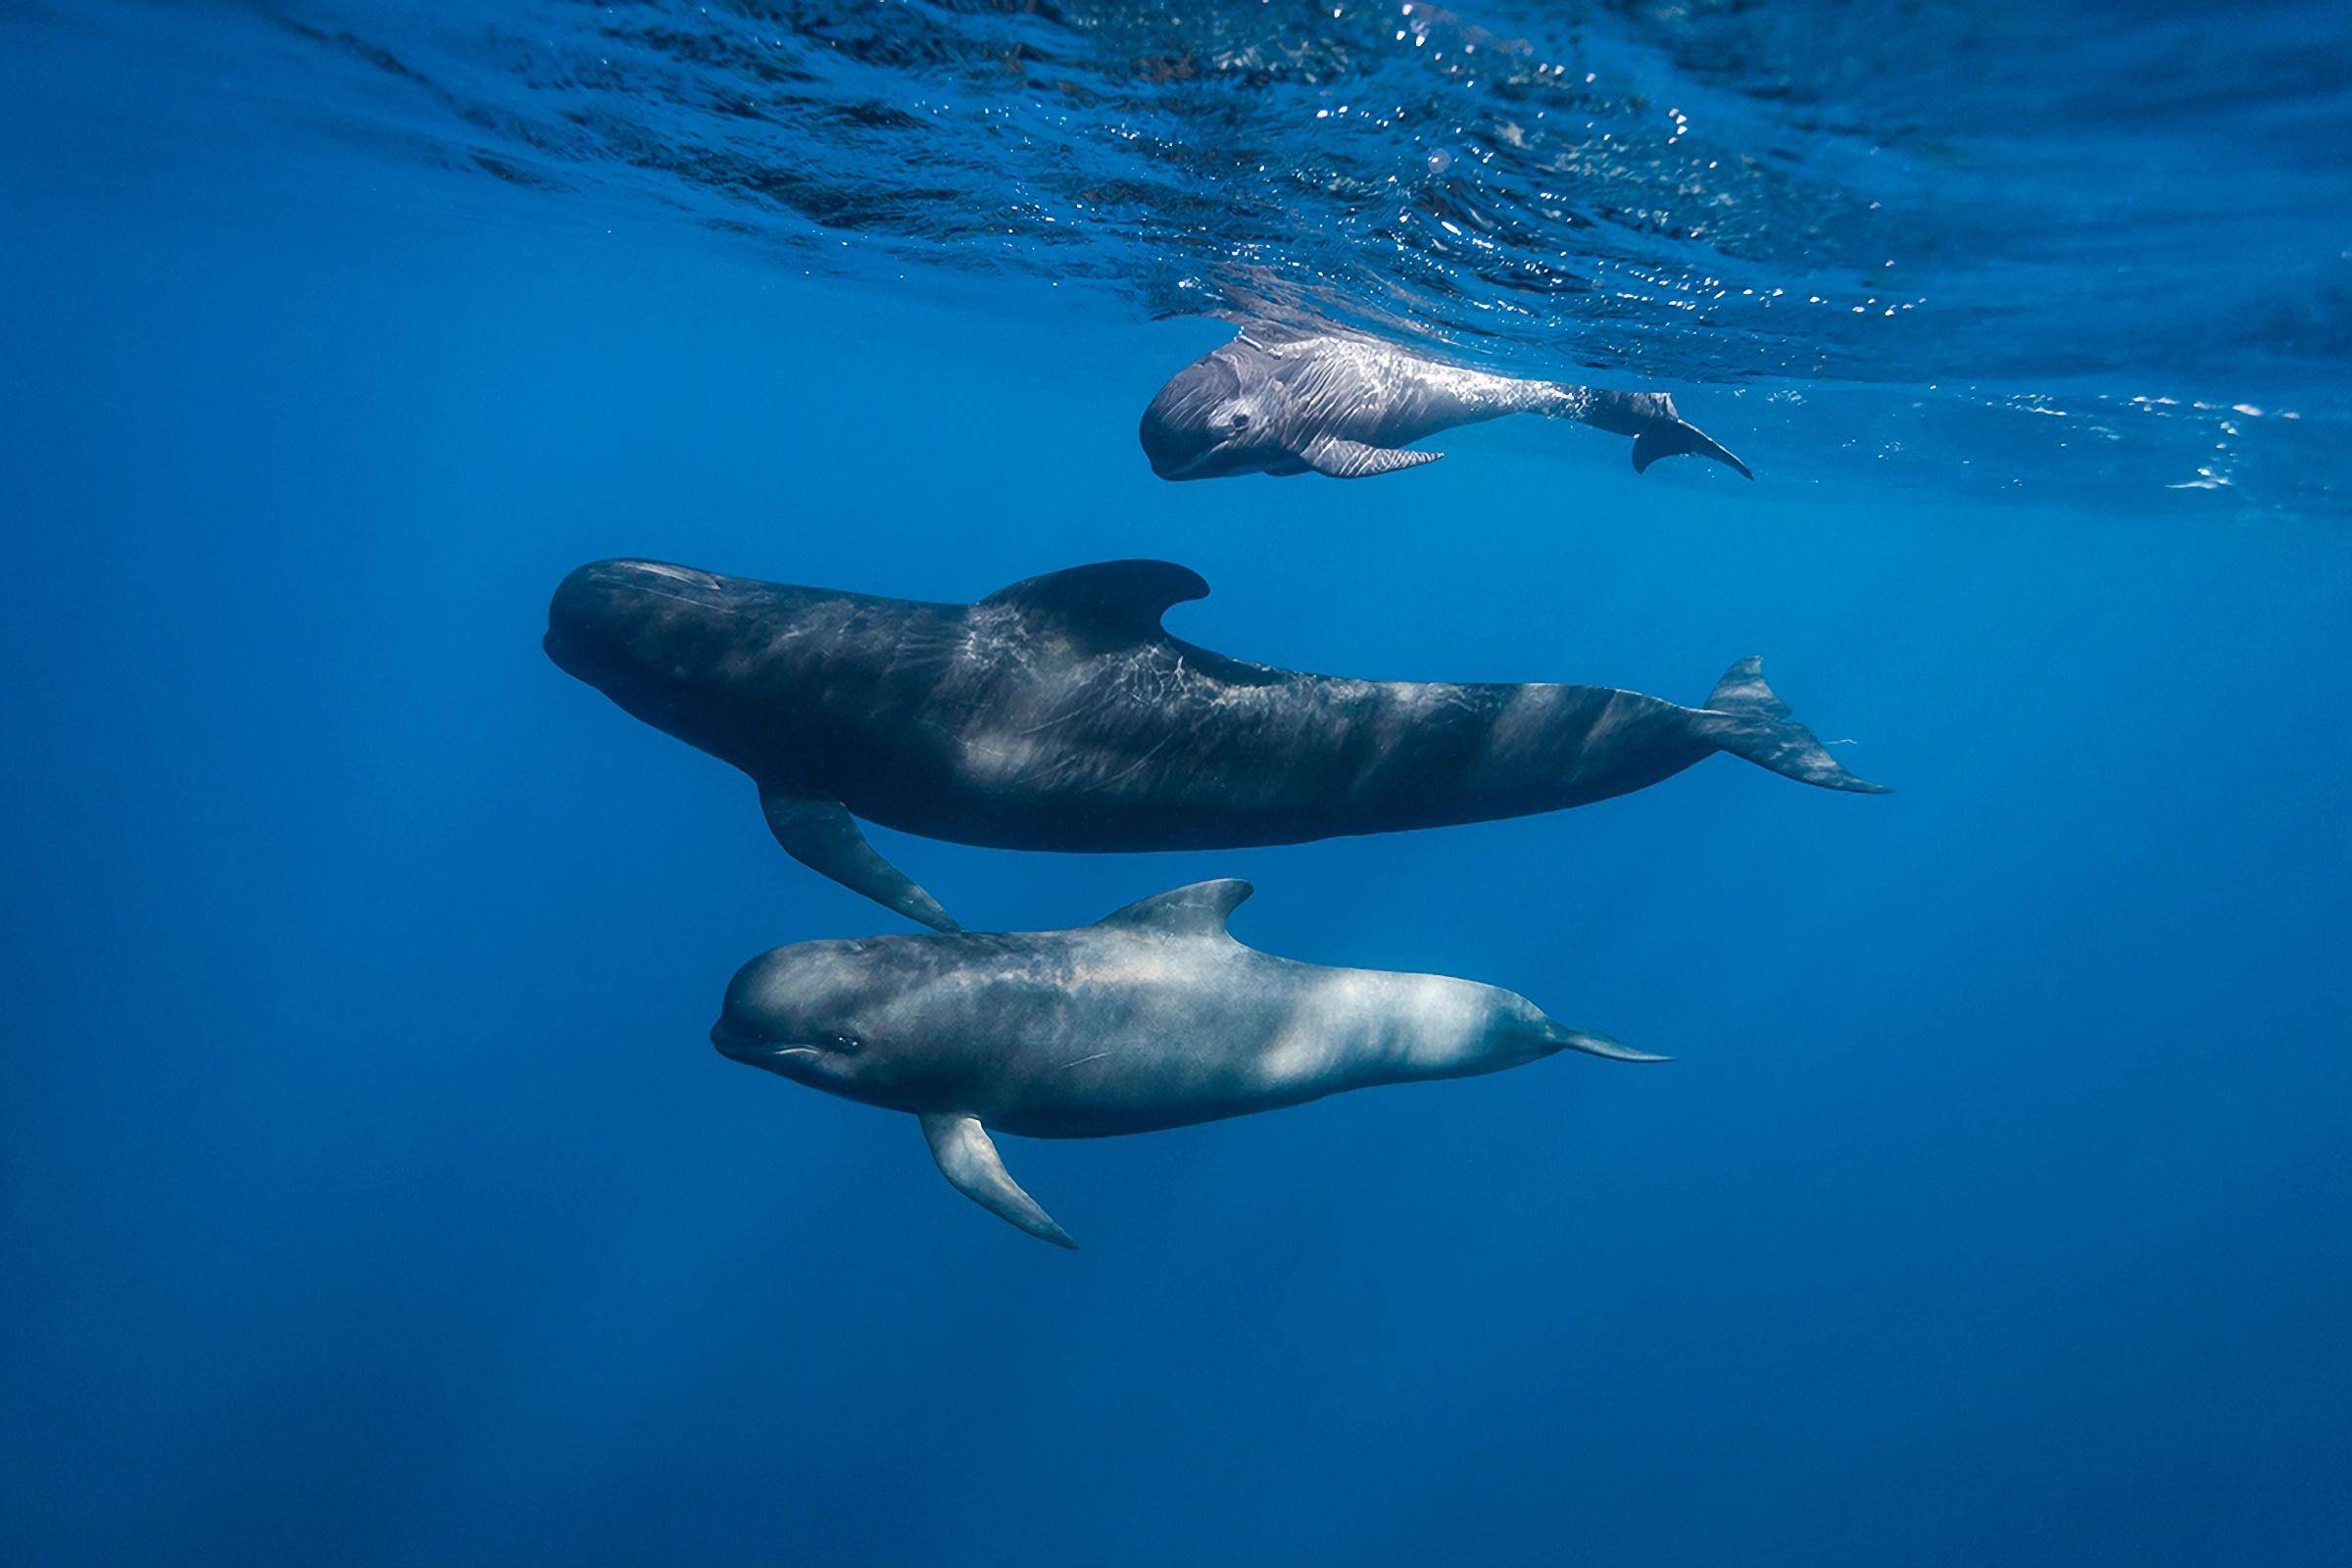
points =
(1204, 424)
(659, 640)
(837, 1015)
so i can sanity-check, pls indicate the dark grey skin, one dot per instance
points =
(1058, 714)
(1280, 401)
(1152, 1017)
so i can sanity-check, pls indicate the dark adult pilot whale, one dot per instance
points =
(1277, 400)
(1152, 1017)
(1058, 715)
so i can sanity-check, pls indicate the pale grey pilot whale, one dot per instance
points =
(1152, 1017)
(1281, 401)
(1058, 714)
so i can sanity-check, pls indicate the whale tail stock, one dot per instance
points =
(1746, 717)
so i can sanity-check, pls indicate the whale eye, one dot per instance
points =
(845, 1044)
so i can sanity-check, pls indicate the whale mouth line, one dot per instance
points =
(750, 1048)
(1190, 467)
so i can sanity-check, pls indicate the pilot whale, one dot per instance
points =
(1152, 1017)
(1280, 401)
(1058, 714)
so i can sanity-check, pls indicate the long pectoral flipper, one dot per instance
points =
(823, 836)
(968, 1160)
(1342, 459)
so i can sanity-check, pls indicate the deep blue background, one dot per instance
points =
(369, 1192)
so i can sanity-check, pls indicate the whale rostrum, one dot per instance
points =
(1058, 713)
(1152, 1017)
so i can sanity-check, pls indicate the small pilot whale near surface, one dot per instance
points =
(1282, 401)
(1058, 714)
(1152, 1017)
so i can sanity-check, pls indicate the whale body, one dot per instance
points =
(1152, 1017)
(1281, 401)
(1058, 714)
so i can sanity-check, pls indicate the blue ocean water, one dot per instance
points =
(369, 1190)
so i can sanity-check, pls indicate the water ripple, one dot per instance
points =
(2088, 203)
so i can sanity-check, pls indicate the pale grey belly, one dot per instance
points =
(1143, 1087)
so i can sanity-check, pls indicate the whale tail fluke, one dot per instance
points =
(1678, 439)
(1747, 718)
(1592, 1043)
(1657, 428)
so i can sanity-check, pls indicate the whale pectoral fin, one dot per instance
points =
(1352, 460)
(823, 836)
(968, 1160)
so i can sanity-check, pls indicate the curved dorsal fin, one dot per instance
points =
(1121, 598)
(1273, 336)
(1200, 909)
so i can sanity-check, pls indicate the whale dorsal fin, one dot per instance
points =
(1121, 598)
(1272, 337)
(1200, 909)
